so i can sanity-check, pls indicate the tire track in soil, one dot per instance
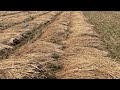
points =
(82, 58)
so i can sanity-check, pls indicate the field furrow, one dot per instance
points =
(53, 45)
(20, 35)
(6, 13)
(34, 61)
(10, 21)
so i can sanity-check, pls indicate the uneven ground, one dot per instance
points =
(52, 45)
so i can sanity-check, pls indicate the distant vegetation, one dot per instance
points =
(107, 24)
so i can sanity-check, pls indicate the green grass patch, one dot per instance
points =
(107, 25)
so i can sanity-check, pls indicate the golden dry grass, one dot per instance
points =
(83, 59)
(66, 48)
(34, 59)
